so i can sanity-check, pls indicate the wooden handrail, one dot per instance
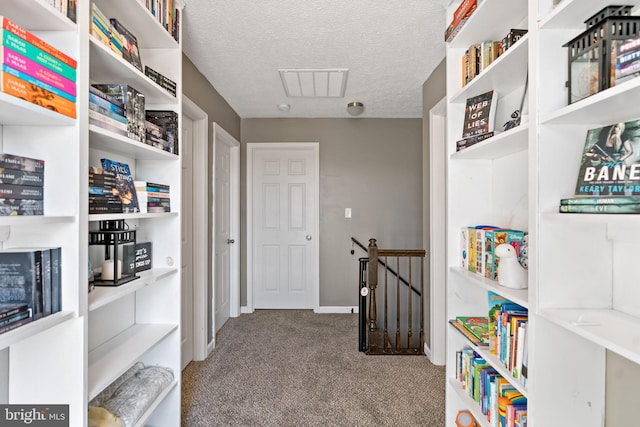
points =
(395, 252)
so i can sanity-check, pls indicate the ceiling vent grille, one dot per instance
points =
(314, 83)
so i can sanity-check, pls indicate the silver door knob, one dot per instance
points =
(308, 236)
(230, 241)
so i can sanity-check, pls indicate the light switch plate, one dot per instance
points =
(347, 212)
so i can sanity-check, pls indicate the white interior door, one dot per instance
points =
(224, 237)
(187, 237)
(283, 221)
(226, 298)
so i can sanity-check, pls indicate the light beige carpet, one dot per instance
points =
(298, 368)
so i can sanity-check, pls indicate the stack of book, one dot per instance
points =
(167, 15)
(162, 129)
(163, 81)
(21, 185)
(66, 7)
(29, 284)
(36, 71)
(104, 196)
(107, 112)
(153, 197)
(104, 31)
(460, 17)
(133, 102)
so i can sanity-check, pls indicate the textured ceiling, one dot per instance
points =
(389, 46)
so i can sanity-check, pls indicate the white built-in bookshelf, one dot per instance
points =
(583, 296)
(71, 356)
(139, 321)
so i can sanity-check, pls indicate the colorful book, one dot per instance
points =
(609, 166)
(617, 200)
(36, 95)
(458, 325)
(30, 51)
(479, 114)
(40, 72)
(36, 41)
(125, 185)
(601, 209)
(34, 81)
(477, 325)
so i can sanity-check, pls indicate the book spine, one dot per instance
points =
(44, 98)
(29, 51)
(19, 177)
(10, 191)
(601, 201)
(108, 113)
(601, 209)
(46, 281)
(56, 302)
(37, 42)
(106, 126)
(107, 120)
(14, 325)
(106, 104)
(33, 69)
(26, 207)
(39, 83)
(23, 308)
(11, 161)
(15, 317)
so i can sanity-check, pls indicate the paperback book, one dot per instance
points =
(610, 164)
(125, 184)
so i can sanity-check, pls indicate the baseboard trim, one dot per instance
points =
(245, 310)
(335, 309)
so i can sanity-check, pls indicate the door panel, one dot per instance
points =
(283, 226)
(187, 239)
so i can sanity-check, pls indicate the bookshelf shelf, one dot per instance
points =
(501, 145)
(113, 143)
(111, 359)
(106, 67)
(519, 296)
(37, 15)
(508, 14)
(612, 329)
(103, 295)
(149, 412)
(23, 332)
(471, 404)
(16, 111)
(33, 220)
(499, 74)
(106, 217)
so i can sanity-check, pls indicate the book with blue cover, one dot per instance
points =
(124, 184)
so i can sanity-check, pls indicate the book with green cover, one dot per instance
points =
(602, 208)
(477, 325)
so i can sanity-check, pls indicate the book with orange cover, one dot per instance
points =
(14, 86)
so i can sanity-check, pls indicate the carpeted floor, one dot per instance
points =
(297, 368)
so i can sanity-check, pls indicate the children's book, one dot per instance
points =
(478, 326)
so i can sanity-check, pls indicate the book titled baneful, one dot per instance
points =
(610, 163)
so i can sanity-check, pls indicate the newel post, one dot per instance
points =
(372, 282)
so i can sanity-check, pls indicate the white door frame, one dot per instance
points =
(200, 223)
(437, 226)
(221, 135)
(315, 281)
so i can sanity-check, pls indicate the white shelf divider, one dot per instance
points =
(111, 359)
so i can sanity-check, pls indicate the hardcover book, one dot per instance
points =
(479, 114)
(125, 185)
(610, 164)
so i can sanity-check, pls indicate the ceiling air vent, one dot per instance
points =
(314, 83)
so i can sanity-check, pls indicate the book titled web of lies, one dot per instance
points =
(610, 164)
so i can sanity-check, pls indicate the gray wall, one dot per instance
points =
(373, 166)
(433, 90)
(198, 89)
